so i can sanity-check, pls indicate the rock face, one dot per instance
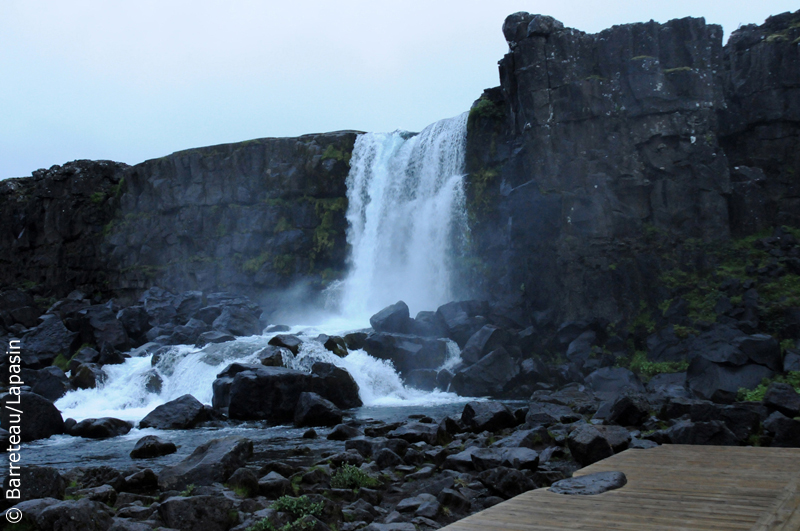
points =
(593, 144)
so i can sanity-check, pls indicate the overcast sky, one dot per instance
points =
(129, 81)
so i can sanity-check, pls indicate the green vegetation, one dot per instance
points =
(62, 362)
(757, 394)
(595, 77)
(641, 57)
(351, 477)
(97, 197)
(189, 490)
(484, 108)
(254, 264)
(647, 369)
(299, 508)
(283, 264)
(118, 188)
(678, 69)
(282, 226)
(332, 153)
(480, 182)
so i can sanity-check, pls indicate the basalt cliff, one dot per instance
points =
(599, 163)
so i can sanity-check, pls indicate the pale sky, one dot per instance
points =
(129, 81)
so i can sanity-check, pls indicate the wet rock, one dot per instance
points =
(38, 417)
(482, 342)
(487, 377)
(99, 326)
(50, 382)
(385, 458)
(524, 439)
(84, 355)
(406, 352)
(590, 484)
(142, 481)
(103, 494)
(505, 482)
(782, 397)
(213, 337)
(152, 446)
(335, 384)
(343, 432)
(415, 432)
(487, 416)
(185, 412)
(394, 318)
(287, 341)
(424, 379)
(518, 458)
(237, 321)
(41, 345)
(335, 344)
(462, 319)
(209, 513)
(313, 410)
(211, 462)
(135, 321)
(87, 376)
(101, 428)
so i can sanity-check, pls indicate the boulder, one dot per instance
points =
(482, 342)
(313, 410)
(213, 337)
(506, 482)
(424, 379)
(762, 349)
(75, 515)
(135, 321)
(142, 481)
(488, 377)
(721, 382)
(237, 321)
(785, 431)
(101, 428)
(343, 432)
(487, 416)
(415, 432)
(183, 413)
(394, 318)
(589, 444)
(518, 458)
(545, 414)
(50, 382)
(41, 345)
(36, 416)
(407, 352)
(34, 482)
(269, 393)
(782, 397)
(611, 382)
(84, 355)
(244, 481)
(209, 513)
(580, 349)
(335, 384)
(86, 376)
(211, 462)
(287, 341)
(713, 432)
(152, 446)
(274, 485)
(590, 484)
(462, 319)
(159, 305)
(629, 410)
(99, 326)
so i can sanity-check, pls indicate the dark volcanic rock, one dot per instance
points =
(152, 446)
(101, 428)
(393, 318)
(782, 397)
(41, 345)
(589, 444)
(612, 382)
(313, 410)
(714, 432)
(589, 484)
(406, 352)
(487, 416)
(482, 342)
(211, 462)
(719, 382)
(38, 417)
(489, 377)
(184, 412)
(506, 482)
(462, 319)
(34, 482)
(335, 384)
(209, 513)
(785, 431)
(50, 382)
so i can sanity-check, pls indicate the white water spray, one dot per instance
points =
(406, 212)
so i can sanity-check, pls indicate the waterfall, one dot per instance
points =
(406, 213)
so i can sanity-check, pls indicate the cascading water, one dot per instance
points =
(406, 213)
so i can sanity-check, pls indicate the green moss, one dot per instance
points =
(282, 226)
(644, 319)
(757, 394)
(678, 69)
(254, 264)
(641, 57)
(118, 188)
(262, 525)
(297, 507)
(479, 182)
(62, 362)
(332, 153)
(97, 197)
(189, 490)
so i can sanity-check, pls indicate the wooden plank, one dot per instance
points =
(697, 488)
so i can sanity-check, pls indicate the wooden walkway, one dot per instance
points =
(671, 487)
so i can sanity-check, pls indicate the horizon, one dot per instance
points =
(95, 81)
